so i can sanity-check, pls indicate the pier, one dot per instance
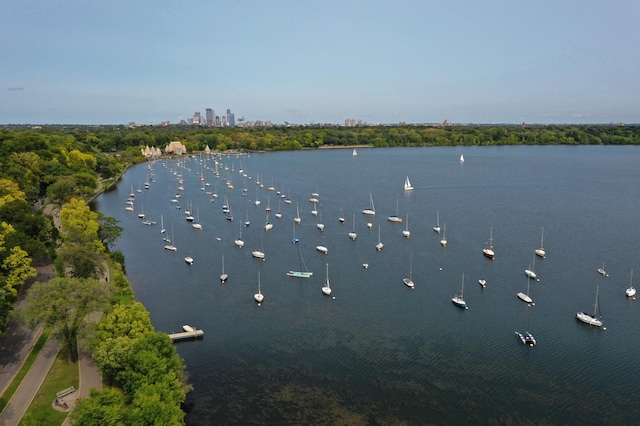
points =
(186, 335)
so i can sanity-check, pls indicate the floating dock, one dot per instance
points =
(195, 334)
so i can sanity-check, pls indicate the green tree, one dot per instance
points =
(63, 303)
(106, 408)
(19, 269)
(109, 231)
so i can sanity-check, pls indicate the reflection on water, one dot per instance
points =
(380, 352)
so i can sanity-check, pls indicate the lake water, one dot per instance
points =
(381, 353)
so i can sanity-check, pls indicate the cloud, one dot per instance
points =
(15, 89)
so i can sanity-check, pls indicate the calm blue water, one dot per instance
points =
(380, 352)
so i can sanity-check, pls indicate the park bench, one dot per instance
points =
(66, 392)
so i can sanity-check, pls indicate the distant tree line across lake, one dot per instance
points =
(122, 139)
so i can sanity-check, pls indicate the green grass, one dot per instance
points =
(61, 376)
(11, 389)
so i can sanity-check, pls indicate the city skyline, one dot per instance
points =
(410, 61)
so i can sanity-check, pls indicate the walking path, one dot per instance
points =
(21, 400)
(18, 344)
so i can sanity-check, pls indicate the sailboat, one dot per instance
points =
(529, 272)
(408, 281)
(371, 211)
(354, 153)
(353, 234)
(239, 241)
(141, 214)
(326, 289)
(268, 225)
(527, 338)
(540, 251)
(602, 272)
(591, 319)
(379, 245)
(631, 292)
(322, 248)
(458, 299)
(437, 227)
(461, 158)
(443, 240)
(188, 258)
(297, 218)
(169, 246)
(341, 218)
(303, 272)
(196, 224)
(223, 276)
(406, 231)
(394, 217)
(314, 212)
(259, 297)
(320, 225)
(162, 230)
(279, 214)
(259, 254)
(247, 223)
(488, 251)
(525, 296)
(407, 184)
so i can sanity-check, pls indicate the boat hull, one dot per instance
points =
(588, 319)
(299, 274)
(525, 298)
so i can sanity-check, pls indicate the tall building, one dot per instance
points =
(231, 119)
(197, 119)
(210, 114)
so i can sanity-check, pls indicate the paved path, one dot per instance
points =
(21, 400)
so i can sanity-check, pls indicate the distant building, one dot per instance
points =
(210, 113)
(231, 120)
(197, 119)
(176, 147)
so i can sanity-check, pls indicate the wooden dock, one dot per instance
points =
(186, 335)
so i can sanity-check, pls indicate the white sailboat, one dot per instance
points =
(458, 299)
(169, 246)
(268, 225)
(371, 211)
(196, 224)
(297, 219)
(602, 272)
(529, 272)
(461, 158)
(488, 251)
(591, 319)
(303, 272)
(259, 297)
(188, 258)
(437, 227)
(354, 153)
(395, 218)
(223, 276)
(540, 252)
(162, 230)
(259, 253)
(353, 234)
(525, 296)
(326, 289)
(322, 248)
(141, 214)
(320, 225)
(247, 222)
(239, 241)
(408, 281)
(527, 338)
(341, 218)
(379, 245)
(407, 184)
(631, 292)
(406, 233)
(443, 240)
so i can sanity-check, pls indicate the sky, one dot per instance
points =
(306, 61)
